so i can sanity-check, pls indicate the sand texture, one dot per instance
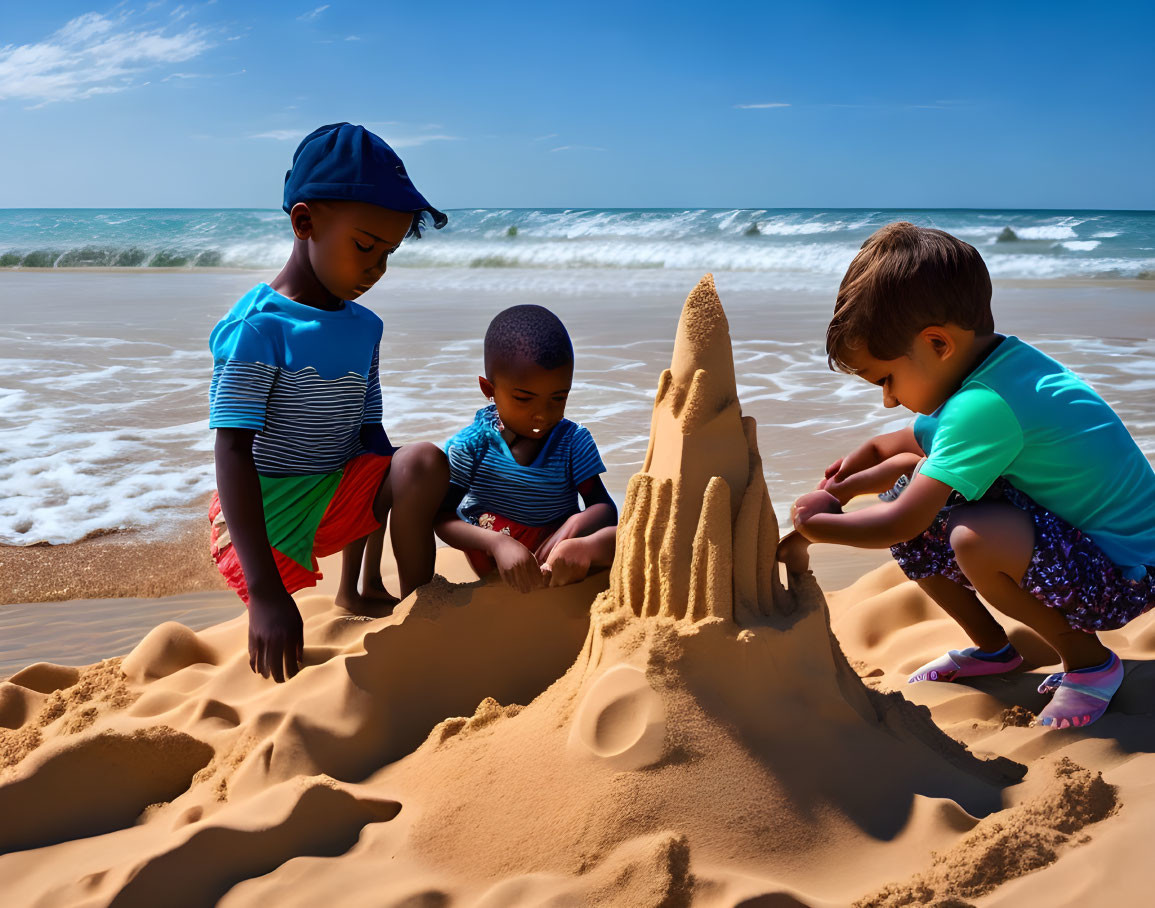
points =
(689, 728)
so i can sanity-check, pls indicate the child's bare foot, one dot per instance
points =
(373, 600)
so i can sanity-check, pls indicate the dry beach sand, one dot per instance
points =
(689, 728)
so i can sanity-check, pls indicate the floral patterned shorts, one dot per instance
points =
(1068, 571)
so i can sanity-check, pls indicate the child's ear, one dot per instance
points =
(302, 220)
(941, 341)
(486, 386)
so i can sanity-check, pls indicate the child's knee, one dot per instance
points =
(423, 469)
(971, 551)
(998, 538)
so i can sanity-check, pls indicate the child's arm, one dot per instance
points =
(871, 454)
(818, 516)
(276, 636)
(514, 561)
(879, 478)
(600, 512)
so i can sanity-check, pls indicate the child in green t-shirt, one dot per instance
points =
(1024, 486)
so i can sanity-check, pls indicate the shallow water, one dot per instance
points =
(104, 408)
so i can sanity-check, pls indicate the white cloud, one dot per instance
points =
(548, 135)
(577, 148)
(309, 16)
(763, 106)
(397, 141)
(281, 135)
(91, 55)
(414, 141)
(942, 105)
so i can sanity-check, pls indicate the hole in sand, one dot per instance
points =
(621, 719)
(619, 725)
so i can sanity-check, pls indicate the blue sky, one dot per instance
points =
(664, 104)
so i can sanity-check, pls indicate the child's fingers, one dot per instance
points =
(518, 578)
(275, 658)
(563, 574)
(543, 550)
(292, 661)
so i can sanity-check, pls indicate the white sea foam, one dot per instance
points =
(1046, 232)
(115, 443)
(107, 430)
(781, 242)
(1043, 267)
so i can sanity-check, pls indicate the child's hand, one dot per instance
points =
(817, 502)
(567, 530)
(517, 565)
(569, 562)
(831, 472)
(276, 636)
(841, 489)
(794, 552)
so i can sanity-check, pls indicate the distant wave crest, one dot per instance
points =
(786, 245)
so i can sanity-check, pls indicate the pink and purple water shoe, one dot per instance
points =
(968, 663)
(1080, 697)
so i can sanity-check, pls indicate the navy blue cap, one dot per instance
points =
(347, 162)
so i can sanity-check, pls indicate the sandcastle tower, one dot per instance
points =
(698, 534)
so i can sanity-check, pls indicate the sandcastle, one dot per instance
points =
(709, 721)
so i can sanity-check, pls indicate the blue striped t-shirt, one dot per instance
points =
(305, 379)
(536, 494)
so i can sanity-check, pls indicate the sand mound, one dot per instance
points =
(1009, 844)
(682, 730)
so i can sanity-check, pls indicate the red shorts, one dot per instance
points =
(347, 518)
(530, 537)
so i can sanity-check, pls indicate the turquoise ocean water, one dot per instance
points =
(776, 248)
(104, 376)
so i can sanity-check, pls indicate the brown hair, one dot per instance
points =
(904, 279)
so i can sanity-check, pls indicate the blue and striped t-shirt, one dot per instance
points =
(536, 494)
(305, 379)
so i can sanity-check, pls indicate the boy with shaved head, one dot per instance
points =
(517, 471)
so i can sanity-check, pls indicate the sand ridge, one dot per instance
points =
(683, 729)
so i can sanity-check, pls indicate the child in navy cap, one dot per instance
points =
(304, 466)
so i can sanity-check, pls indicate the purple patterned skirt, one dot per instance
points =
(1068, 571)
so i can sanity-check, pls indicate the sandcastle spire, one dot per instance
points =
(703, 342)
(698, 535)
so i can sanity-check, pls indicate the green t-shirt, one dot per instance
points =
(1025, 417)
